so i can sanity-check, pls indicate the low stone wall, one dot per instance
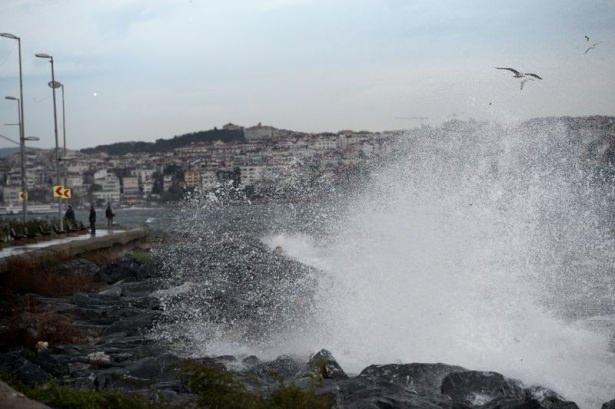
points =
(116, 243)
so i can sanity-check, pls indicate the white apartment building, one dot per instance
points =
(10, 195)
(110, 184)
(74, 180)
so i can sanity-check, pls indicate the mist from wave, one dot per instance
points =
(482, 247)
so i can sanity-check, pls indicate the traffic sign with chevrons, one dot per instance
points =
(62, 192)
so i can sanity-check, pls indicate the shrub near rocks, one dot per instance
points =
(63, 397)
(217, 388)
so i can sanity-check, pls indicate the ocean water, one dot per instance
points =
(489, 247)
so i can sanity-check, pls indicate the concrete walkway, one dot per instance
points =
(18, 250)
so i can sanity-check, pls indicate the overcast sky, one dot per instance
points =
(148, 69)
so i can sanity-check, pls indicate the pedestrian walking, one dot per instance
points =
(92, 219)
(109, 215)
(69, 218)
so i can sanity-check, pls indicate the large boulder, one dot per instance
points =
(127, 268)
(529, 403)
(55, 365)
(265, 377)
(246, 287)
(423, 379)
(22, 369)
(365, 393)
(609, 405)
(323, 365)
(77, 267)
(477, 387)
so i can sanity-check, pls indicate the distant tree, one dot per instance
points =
(157, 186)
(166, 145)
(94, 187)
(236, 177)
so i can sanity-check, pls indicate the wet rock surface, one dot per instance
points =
(243, 283)
(609, 405)
(117, 351)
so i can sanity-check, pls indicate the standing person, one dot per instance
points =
(92, 220)
(69, 218)
(109, 215)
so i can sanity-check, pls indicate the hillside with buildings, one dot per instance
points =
(262, 161)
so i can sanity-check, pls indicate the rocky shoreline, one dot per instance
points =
(110, 348)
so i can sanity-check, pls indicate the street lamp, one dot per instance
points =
(63, 131)
(53, 86)
(24, 206)
(22, 126)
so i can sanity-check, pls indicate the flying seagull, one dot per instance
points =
(592, 47)
(525, 77)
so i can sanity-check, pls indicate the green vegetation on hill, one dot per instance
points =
(165, 145)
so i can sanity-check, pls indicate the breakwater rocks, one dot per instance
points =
(231, 283)
(105, 340)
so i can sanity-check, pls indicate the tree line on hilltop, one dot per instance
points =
(165, 145)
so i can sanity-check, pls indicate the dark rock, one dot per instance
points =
(94, 300)
(512, 403)
(364, 393)
(22, 369)
(267, 376)
(159, 368)
(552, 402)
(55, 365)
(115, 290)
(609, 405)
(147, 303)
(77, 267)
(424, 379)
(139, 288)
(540, 393)
(246, 284)
(477, 388)
(324, 365)
(225, 358)
(250, 361)
(127, 269)
(132, 325)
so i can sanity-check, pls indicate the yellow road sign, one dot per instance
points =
(62, 192)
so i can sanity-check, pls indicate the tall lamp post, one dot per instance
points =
(64, 135)
(22, 127)
(53, 86)
(24, 198)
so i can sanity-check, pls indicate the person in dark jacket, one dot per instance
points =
(69, 217)
(109, 215)
(92, 220)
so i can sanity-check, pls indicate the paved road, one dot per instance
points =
(16, 250)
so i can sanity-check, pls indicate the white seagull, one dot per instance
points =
(525, 77)
(591, 47)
